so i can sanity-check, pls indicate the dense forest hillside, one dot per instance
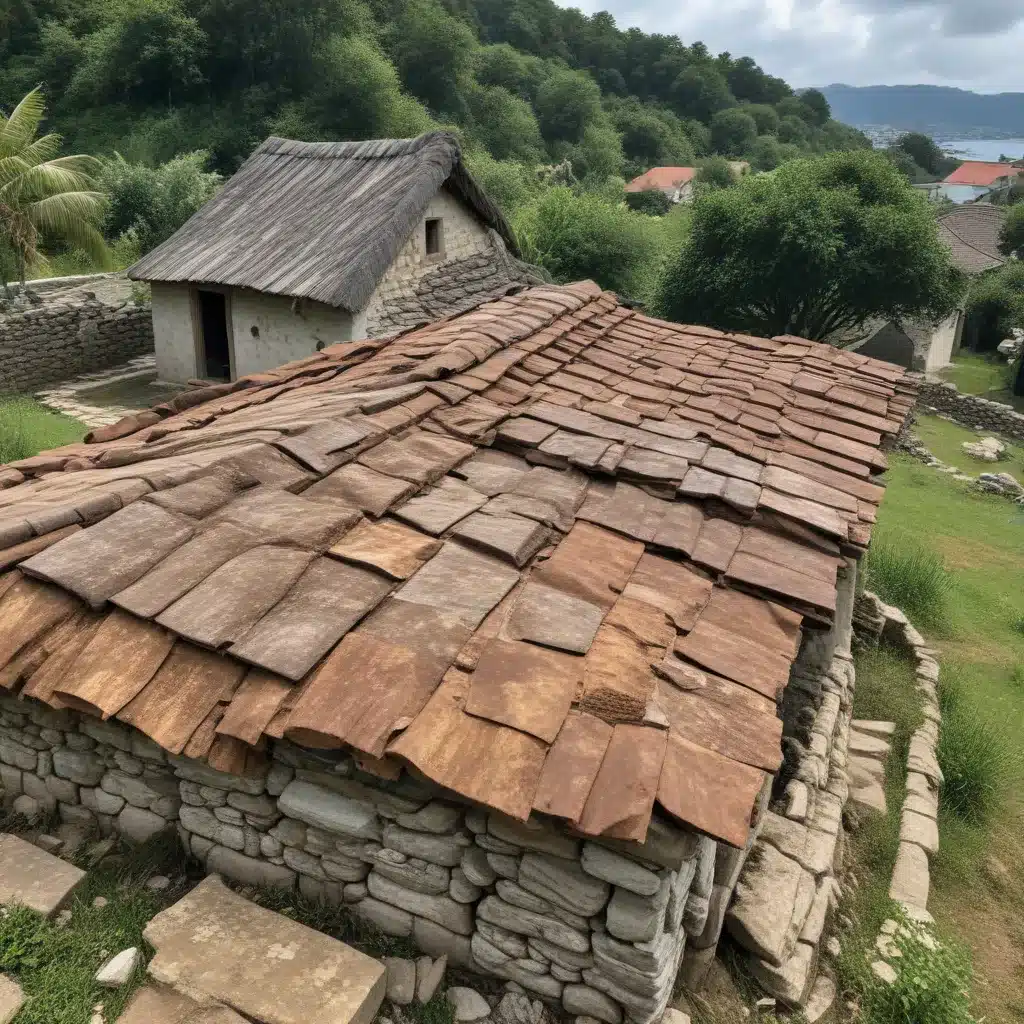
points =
(523, 81)
(929, 108)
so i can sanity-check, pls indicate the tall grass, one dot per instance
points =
(903, 572)
(27, 428)
(978, 758)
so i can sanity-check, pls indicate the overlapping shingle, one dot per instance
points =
(553, 554)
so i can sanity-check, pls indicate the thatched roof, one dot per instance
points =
(318, 220)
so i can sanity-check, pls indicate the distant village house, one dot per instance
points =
(677, 182)
(976, 178)
(310, 244)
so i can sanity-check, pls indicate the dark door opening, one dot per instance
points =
(215, 358)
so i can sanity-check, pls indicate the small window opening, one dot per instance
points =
(434, 237)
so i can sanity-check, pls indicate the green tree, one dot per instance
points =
(504, 66)
(651, 201)
(433, 53)
(598, 155)
(582, 236)
(905, 164)
(766, 153)
(505, 124)
(995, 305)
(794, 106)
(44, 197)
(923, 151)
(511, 185)
(1011, 235)
(700, 92)
(566, 103)
(816, 103)
(714, 173)
(651, 137)
(819, 247)
(793, 130)
(151, 203)
(733, 132)
(765, 117)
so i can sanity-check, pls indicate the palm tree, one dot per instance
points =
(43, 196)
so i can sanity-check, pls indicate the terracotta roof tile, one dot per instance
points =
(620, 527)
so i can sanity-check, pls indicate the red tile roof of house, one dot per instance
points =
(553, 554)
(662, 178)
(981, 173)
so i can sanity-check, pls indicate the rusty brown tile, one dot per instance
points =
(773, 547)
(122, 656)
(232, 599)
(716, 544)
(525, 432)
(671, 587)
(253, 706)
(97, 562)
(576, 449)
(721, 460)
(622, 796)
(12, 556)
(200, 497)
(323, 605)
(707, 791)
(514, 538)
(441, 507)
(821, 517)
(618, 679)
(387, 546)
(490, 764)
(278, 517)
(625, 509)
(29, 609)
(572, 765)
(548, 616)
(492, 472)
(524, 686)
(420, 458)
(645, 464)
(361, 488)
(323, 447)
(789, 482)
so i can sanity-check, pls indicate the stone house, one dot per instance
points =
(677, 182)
(515, 634)
(310, 244)
(971, 232)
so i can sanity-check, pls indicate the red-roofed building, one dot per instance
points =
(973, 178)
(674, 182)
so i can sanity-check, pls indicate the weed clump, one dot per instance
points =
(905, 573)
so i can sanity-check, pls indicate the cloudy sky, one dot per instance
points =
(973, 44)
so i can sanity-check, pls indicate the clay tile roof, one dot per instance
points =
(318, 220)
(662, 177)
(981, 173)
(553, 554)
(972, 233)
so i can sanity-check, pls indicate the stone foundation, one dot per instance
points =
(597, 928)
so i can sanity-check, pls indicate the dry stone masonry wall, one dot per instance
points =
(971, 410)
(61, 334)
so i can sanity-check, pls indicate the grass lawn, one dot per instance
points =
(27, 428)
(943, 439)
(980, 634)
(976, 374)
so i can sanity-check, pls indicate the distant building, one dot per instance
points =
(972, 234)
(310, 244)
(975, 178)
(677, 182)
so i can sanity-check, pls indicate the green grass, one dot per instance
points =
(980, 540)
(55, 966)
(988, 376)
(944, 439)
(27, 428)
(908, 574)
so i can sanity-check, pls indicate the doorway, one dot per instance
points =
(214, 346)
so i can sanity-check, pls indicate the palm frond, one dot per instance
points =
(40, 151)
(50, 179)
(21, 125)
(72, 216)
(11, 170)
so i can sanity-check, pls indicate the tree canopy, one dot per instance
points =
(816, 249)
(1011, 235)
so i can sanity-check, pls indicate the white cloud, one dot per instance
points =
(972, 44)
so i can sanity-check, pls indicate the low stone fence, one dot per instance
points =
(971, 410)
(62, 334)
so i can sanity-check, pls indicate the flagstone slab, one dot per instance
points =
(11, 999)
(263, 965)
(32, 878)
(154, 1004)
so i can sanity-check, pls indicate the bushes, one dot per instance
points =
(905, 573)
(583, 236)
(977, 759)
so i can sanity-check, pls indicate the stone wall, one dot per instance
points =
(62, 335)
(597, 928)
(971, 410)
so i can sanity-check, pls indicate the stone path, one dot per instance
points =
(73, 397)
(869, 748)
(11, 999)
(215, 945)
(155, 1004)
(32, 878)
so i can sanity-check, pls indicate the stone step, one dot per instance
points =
(154, 1004)
(875, 728)
(33, 878)
(215, 945)
(11, 999)
(869, 797)
(866, 745)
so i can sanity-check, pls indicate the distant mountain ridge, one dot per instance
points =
(929, 108)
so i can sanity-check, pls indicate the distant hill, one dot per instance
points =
(929, 108)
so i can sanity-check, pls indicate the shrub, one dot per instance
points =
(583, 236)
(905, 573)
(652, 201)
(933, 981)
(978, 761)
